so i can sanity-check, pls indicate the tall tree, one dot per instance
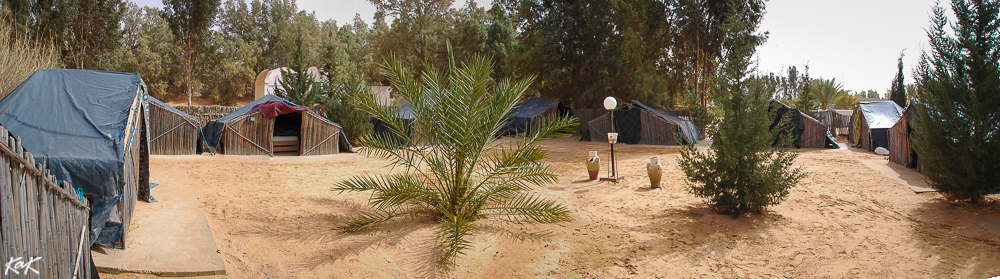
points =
(898, 92)
(957, 137)
(190, 21)
(749, 166)
(148, 49)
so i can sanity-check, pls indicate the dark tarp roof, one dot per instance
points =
(77, 119)
(690, 131)
(383, 129)
(881, 114)
(213, 130)
(520, 118)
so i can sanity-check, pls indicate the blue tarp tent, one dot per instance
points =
(529, 112)
(88, 126)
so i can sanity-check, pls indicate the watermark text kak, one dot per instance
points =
(19, 266)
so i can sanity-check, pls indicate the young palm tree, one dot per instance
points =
(455, 169)
(826, 91)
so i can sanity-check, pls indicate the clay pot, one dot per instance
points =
(593, 164)
(655, 172)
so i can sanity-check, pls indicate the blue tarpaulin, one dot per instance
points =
(77, 120)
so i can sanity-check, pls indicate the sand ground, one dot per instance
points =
(277, 218)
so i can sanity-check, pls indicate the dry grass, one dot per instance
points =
(20, 56)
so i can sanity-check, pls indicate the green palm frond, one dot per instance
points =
(452, 163)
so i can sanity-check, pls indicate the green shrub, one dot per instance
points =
(749, 166)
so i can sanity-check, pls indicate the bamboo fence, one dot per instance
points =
(206, 113)
(814, 135)
(41, 217)
(171, 133)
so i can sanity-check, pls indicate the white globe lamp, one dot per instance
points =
(610, 103)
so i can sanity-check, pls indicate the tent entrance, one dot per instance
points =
(287, 136)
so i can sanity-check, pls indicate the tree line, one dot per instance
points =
(579, 51)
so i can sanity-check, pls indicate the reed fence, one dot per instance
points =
(44, 221)
(839, 123)
(206, 113)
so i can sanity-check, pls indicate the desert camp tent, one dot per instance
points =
(88, 127)
(384, 129)
(808, 132)
(900, 143)
(870, 124)
(836, 119)
(247, 131)
(171, 131)
(638, 123)
(269, 80)
(532, 112)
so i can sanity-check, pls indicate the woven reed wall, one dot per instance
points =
(814, 135)
(133, 174)
(206, 113)
(599, 128)
(41, 217)
(319, 136)
(250, 134)
(656, 130)
(171, 133)
(585, 116)
(900, 148)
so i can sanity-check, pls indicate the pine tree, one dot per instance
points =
(297, 85)
(957, 137)
(898, 91)
(743, 172)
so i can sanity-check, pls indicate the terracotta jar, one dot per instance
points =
(655, 171)
(593, 164)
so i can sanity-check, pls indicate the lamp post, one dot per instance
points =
(610, 104)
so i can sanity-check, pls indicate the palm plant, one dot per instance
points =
(455, 170)
(846, 101)
(826, 91)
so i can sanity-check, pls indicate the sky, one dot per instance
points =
(857, 42)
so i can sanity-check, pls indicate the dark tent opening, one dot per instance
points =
(287, 133)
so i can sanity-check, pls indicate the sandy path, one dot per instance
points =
(277, 218)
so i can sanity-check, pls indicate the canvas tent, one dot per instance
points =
(248, 132)
(900, 143)
(269, 80)
(808, 132)
(870, 124)
(88, 127)
(171, 131)
(384, 129)
(639, 123)
(532, 112)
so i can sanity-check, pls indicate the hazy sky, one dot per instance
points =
(855, 41)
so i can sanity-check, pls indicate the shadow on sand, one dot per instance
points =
(945, 229)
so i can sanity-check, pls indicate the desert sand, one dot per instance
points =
(278, 217)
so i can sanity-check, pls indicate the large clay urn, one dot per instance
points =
(655, 171)
(593, 164)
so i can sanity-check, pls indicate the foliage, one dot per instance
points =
(296, 84)
(806, 100)
(749, 166)
(339, 104)
(827, 92)
(148, 49)
(846, 101)
(912, 91)
(456, 171)
(898, 92)
(957, 137)
(21, 56)
(232, 79)
(189, 21)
